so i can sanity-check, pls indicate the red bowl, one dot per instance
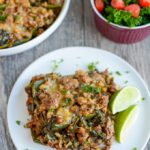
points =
(117, 33)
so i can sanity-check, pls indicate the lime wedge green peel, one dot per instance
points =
(124, 121)
(124, 98)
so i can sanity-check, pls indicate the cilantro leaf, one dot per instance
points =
(92, 66)
(91, 89)
(18, 122)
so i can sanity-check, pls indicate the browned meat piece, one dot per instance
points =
(74, 109)
(97, 76)
(59, 119)
(49, 101)
(109, 128)
(83, 76)
(103, 102)
(86, 109)
(106, 73)
(82, 134)
(69, 83)
(112, 88)
(81, 100)
(29, 101)
(10, 10)
(24, 3)
(52, 143)
(35, 124)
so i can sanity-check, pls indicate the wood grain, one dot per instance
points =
(78, 29)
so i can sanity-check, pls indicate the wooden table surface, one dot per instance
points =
(78, 29)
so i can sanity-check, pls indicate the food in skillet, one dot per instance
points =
(22, 20)
(71, 112)
(129, 13)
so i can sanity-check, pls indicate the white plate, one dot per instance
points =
(75, 58)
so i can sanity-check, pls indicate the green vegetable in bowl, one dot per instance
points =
(130, 13)
(121, 17)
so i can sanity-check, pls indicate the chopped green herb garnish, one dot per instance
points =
(18, 122)
(51, 109)
(143, 99)
(91, 89)
(118, 73)
(25, 126)
(68, 100)
(126, 81)
(50, 6)
(92, 66)
(134, 148)
(56, 64)
(87, 143)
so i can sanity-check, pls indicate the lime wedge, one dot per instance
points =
(124, 98)
(124, 121)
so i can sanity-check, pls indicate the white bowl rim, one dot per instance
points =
(113, 24)
(39, 39)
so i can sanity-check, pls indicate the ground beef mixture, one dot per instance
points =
(71, 112)
(22, 20)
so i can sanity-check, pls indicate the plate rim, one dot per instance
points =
(77, 48)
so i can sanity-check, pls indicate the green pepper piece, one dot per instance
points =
(90, 116)
(4, 46)
(34, 32)
(49, 6)
(30, 107)
(35, 86)
(56, 127)
(22, 41)
(3, 17)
